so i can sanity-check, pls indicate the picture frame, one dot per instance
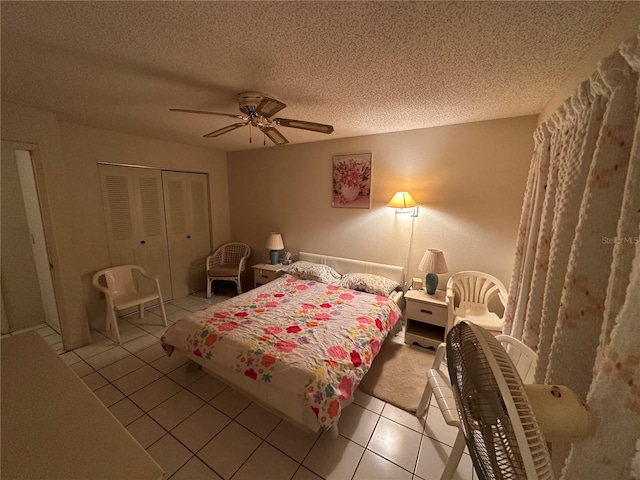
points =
(351, 181)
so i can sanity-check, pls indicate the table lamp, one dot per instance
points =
(432, 262)
(274, 243)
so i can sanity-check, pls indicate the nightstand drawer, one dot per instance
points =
(265, 276)
(427, 313)
(265, 273)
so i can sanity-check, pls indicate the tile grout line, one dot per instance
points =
(183, 387)
(168, 432)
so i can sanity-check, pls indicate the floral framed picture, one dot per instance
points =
(352, 181)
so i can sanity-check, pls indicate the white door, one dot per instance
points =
(187, 217)
(134, 209)
(28, 297)
(38, 241)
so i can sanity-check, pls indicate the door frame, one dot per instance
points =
(47, 222)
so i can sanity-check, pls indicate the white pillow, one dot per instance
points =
(313, 271)
(367, 282)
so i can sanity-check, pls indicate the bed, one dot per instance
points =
(299, 345)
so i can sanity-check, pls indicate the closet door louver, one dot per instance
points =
(119, 207)
(187, 215)
(133, 203)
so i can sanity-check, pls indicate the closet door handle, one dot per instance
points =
(142, 242)
(188, 236)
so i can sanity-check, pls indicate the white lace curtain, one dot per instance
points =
(574, 294)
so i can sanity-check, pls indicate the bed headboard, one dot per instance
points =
(347, 265)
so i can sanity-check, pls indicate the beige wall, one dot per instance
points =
(468, 180)
(68, 155)
(624, 26)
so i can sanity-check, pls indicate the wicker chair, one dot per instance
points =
(227, 263)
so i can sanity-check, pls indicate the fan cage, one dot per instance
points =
(497, 421)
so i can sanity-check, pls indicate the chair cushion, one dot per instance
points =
(479, 314)
(223, 271)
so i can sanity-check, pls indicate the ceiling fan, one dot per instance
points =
(258, 108)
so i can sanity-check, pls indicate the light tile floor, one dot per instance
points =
(198, 428)
(49, 334)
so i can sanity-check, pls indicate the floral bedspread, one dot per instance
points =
(307, 338)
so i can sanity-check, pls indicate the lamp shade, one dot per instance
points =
(433, 261)
(402, 200)
(274, 242)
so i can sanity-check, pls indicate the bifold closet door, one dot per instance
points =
(133, 203)
(187, 215)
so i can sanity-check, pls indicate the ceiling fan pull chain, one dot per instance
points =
(249, 133)
(264, 139)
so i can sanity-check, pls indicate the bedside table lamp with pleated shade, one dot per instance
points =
(274, 243)
(432, 262)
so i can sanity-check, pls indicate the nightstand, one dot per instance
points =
(427, 318)
(265, 272)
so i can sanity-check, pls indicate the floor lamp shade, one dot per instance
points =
(274, 243)
(432, 262)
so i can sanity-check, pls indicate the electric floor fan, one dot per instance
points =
(506, 424)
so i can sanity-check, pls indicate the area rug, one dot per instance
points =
(398, 375)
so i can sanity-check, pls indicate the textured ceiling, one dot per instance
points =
(364, 67)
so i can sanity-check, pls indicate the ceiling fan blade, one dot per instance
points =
(207, 113)
(226, 129)
(314, 127)
(269, 107)
(274, 135)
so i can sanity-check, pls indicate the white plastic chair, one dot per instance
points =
(468, 296)
(438, 384)
(227, 263)
(119, 287)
